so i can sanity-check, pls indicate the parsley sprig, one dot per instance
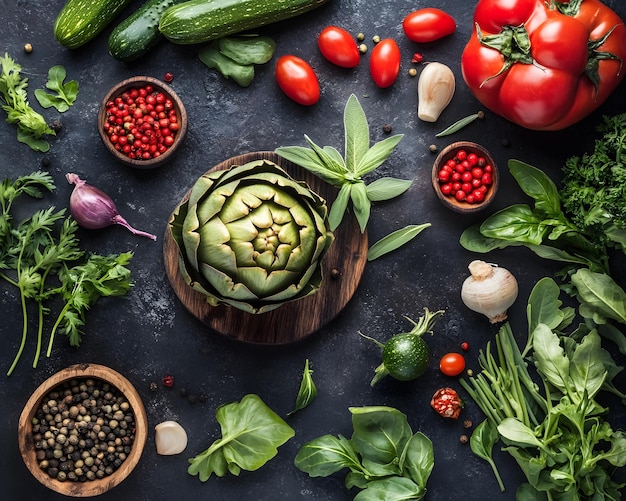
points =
(41, 257)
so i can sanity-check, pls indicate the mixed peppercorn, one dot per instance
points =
(83, 430)
(466, 177)
(141, 123)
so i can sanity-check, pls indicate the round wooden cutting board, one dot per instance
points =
(342, 269)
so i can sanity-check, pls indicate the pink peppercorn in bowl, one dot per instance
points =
(142, 122)
(465, 177)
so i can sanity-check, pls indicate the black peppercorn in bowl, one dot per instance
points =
(83, 430)
(142, 122)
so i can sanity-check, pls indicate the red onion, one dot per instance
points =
(93, 209)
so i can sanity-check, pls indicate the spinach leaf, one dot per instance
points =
(544, 307)
(517, 432)
(587, 370)
(251, 434)
(600, 296)
(307, 391)
(536, 184)
(482, 440)
(391, 489)
(550, 358)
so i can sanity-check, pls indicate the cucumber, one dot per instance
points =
(79, 21)
(199, 21)
(139, 32)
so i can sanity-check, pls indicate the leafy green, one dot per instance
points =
(557, 437)
(64, 93)
(395, 240)
(347, 173)
(307, 392)
(31, 126)
(460, 124)
(41, 257)
(385, 459)
(235, 57)
(251, 435)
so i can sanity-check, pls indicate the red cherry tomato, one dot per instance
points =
(452, 364)
(338, 46)
(385, 63)
(297, 80)
(428, 25)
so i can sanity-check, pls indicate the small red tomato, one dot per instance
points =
(338, 46)
(385, 63)
(297, 80)
(447, 403)
(428, 25)
(452, 364)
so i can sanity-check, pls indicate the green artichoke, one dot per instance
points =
(251, 237)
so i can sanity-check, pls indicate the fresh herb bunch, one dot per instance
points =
(558, 437)
(347, 173)
(593, 190)
(41, 257)
(31, 126)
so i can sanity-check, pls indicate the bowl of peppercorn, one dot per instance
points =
(465, 177)
(142, 122)
(83, 430)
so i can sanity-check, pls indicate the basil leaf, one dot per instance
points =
(473, 240)
(418, 459)
(514, 430)
(326, 455)
(536, 184)
(214, 59)
(251, 434)
(357, 133)
(515, 223)
(307, 391)
(247, 50)
(360, 203)
(387, 188)
(391, 489)
(380, 435)
(395, 240)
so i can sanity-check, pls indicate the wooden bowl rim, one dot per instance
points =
(180, 107)
(451, 203)
(90, 487)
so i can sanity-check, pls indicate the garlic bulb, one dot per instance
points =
(170, 438)
(435, 89)
(489, 290)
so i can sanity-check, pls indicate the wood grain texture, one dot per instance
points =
(294, 320)
(27, 445)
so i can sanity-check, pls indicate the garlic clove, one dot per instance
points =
(435, 89)
(490, 290)
(170, 438)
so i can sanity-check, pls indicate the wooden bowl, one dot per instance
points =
(28, 447)
(137, 82)
(450, 201)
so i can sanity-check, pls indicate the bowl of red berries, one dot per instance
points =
(465, 177)
(142, 122)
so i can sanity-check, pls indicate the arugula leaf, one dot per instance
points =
(347, 173)
(65, 93)
(307, 392)
(251, 435)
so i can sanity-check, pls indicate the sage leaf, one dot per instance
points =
(309, 160)
(387, 188)
(395, 240)
(376, 155)
(251, 435)
(338, 208)
(482, 440)
(213, 58)
(357, 133)
(360, 203)
(458, 125)
(307, 391)
(327, 157)
(247, 50)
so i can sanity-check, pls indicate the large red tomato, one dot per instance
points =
(297, 80)
(338, 46)
(385, 63)
(544, 65)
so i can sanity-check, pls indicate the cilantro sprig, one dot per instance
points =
(41, 256)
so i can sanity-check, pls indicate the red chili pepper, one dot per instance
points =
(447, 403)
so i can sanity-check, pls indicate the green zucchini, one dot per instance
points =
(79, 21)
(139, 32)
(199, 21)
